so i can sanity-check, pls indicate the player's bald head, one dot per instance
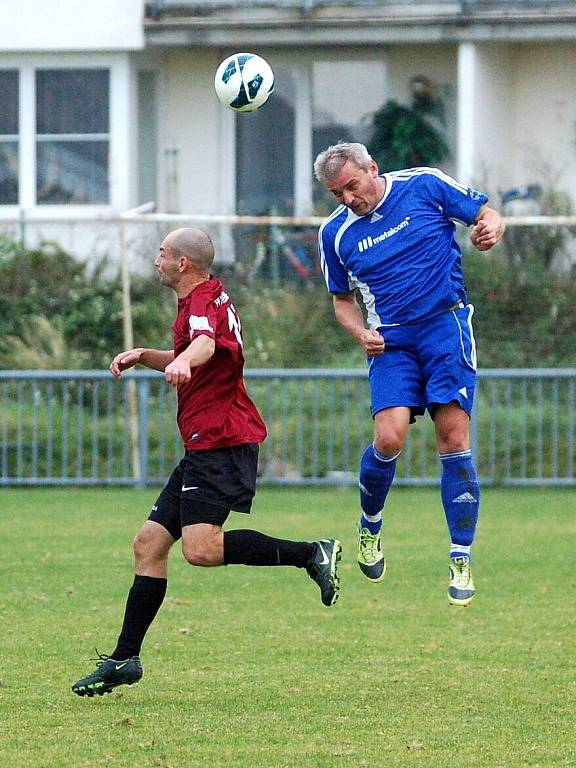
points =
(194, 244)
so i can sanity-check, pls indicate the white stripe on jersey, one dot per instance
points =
(369, 299)
(351, 217)
(323, 265)
(473, 355)
(472, 339)
(421, 171)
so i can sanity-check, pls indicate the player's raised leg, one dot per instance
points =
(460, 497)
(319, 558)
(208, 545)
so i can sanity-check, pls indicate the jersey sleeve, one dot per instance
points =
(458, 202)
(335, 274)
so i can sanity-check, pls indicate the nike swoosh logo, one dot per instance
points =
(119, 666)
(189, 488)
(325, 561)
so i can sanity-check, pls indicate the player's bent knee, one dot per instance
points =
(198, 556)
(147, 546)
(388, 445)
(203, 544)
(453, 441)
(140, 545)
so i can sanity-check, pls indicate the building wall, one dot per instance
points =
(189, 141)
(72, 25)
(520, 100)
(195, 162)
(544, 116)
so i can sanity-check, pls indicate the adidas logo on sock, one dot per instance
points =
(464, 498)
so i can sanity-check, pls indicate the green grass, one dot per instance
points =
(244, 668)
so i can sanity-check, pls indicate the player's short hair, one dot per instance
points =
(195, 245)
(329, 163)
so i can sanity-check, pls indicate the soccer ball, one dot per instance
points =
(244, 82)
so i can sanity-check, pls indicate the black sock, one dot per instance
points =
(255, 548)
(144, 599)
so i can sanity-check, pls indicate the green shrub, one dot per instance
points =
(525, 314)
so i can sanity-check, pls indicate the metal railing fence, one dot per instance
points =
(84, 428)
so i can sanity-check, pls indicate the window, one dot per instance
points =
(9, 137)
(265, 153)
(72, 136)
(316, 102)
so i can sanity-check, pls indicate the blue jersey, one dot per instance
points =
(403, 256)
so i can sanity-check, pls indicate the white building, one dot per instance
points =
(109, 104)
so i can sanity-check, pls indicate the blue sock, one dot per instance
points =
(372, 522)
(461, 499)
(458, 550)
(376, 475)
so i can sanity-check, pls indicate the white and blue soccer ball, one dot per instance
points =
(244, 82)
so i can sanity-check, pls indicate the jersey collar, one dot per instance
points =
(388, 182)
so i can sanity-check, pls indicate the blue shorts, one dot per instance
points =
(425, 364)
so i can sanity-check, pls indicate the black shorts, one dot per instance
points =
(205, 486)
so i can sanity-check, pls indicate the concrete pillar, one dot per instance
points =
(466, 118)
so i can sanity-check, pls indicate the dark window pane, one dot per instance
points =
(72, 101)
(72, 172)
(9, 102)
(8, 173)
(265, 168)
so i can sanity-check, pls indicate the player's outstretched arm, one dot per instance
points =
(488, 229)
(198, 352)
(350, 317)
(157, 359)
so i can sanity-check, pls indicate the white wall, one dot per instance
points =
(545, 115)
(190, 120)
(71, 25)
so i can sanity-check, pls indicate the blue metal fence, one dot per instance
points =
(84, 428)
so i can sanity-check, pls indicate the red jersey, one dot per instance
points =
(214, 408)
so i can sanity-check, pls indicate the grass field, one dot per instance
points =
(244, 667)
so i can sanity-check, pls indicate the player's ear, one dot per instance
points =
(373, 169)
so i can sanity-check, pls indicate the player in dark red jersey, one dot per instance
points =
(221, 430)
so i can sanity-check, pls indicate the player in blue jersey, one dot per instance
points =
(392, 238)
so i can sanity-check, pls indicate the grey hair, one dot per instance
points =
(329, 163)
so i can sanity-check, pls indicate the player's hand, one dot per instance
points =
(483, 236)
(125, 360)
(178, 372)
(372, 342)
(488, 230)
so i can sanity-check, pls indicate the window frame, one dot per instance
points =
(120, 137)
